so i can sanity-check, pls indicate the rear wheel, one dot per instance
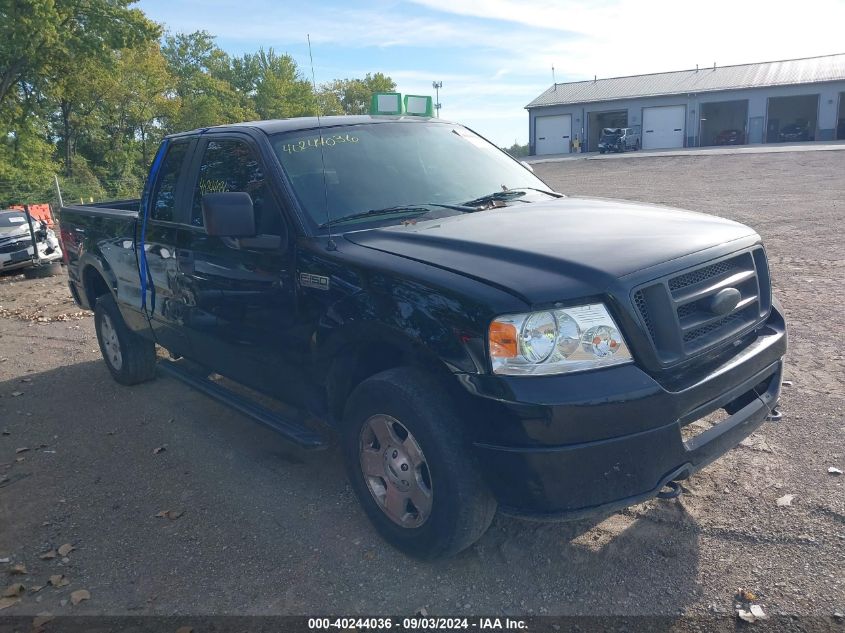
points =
(130, 357)
(411, 467)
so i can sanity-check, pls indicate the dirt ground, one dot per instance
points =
(261, 528)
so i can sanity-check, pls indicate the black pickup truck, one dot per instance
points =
(478, 341)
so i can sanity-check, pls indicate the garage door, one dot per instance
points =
(553, 134)
(663, 127)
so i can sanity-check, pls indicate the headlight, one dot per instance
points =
(556, 341)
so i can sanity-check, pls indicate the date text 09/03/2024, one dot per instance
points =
(418, 623)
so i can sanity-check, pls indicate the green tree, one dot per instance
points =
(516, 150)
(40, 37)
(26, 163)
(328, 102)
(202, 74)
(140, 87)
(88, 89)
(281, 91)
(354, 95)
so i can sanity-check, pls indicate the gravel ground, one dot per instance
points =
(262, 528)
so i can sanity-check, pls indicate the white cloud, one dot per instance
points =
(632, 37)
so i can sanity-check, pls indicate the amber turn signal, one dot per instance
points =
(502, 340)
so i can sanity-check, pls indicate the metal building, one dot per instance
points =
(769, 102)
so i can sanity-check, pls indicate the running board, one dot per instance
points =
(290, 429)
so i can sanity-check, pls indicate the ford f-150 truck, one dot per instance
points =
(477, 340)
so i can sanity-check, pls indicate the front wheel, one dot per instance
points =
(410, 465)
(130, 357)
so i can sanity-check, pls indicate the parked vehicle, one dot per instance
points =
(729, 137)
(619, 139)
(27, 243)
(794, 132)
(476, 340)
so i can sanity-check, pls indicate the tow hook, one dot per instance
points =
(674, 490)
(774, 416)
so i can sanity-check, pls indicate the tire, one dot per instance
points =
(442, 472)
(130, 358)
(601, 151)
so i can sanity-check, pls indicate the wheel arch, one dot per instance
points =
(363, 350)
(96, 281)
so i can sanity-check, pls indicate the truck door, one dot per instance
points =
(167, 204)
(239, 294)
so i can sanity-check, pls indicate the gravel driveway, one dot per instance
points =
(260, 528)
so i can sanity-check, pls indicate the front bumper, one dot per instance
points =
(8, 264)
(563, 447)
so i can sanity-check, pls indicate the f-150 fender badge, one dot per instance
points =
(319, 282)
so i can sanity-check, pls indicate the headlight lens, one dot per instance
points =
(556, 341)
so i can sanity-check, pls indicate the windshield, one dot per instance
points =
(391, 164)
(11, 219)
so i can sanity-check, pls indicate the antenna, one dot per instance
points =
(330, 246)
(554, 81)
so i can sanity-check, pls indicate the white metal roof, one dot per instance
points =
(785, 72)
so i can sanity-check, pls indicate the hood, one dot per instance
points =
(17, 231)
(557, 249)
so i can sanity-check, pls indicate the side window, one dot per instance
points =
(232, 165)
(164, 198)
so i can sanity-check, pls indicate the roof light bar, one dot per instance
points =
(418, 105)
(386, 103)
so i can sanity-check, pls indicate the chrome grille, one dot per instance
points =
(681, 312)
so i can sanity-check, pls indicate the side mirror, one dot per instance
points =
(228, 214)
(527, 166)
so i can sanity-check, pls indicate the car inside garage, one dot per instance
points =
(791, 119)
(723, 123)
(597, 121)
(663, 127)
(553, 134)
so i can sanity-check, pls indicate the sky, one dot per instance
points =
(495, 56)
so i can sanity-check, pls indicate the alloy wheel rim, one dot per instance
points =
(111, 344)
(395, 471)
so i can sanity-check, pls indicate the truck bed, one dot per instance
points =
(116, 208)
(101, 237)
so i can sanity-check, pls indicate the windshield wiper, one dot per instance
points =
(553, 194)
(402, 209)
(507, 194)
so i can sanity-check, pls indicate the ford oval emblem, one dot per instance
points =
(725, 301)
